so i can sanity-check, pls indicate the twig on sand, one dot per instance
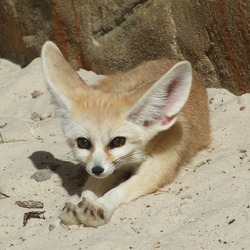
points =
(2, 140)
(4, 195)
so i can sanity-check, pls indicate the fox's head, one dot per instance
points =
(110, 130)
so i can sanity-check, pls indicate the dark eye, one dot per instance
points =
(83, 143)
(117, 142)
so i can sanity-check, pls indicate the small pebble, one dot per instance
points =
(211, 100)
(35, 117)
(186, 196)
(45, 116)
(42, 175)
(36, 93)
(51, 227)
(242, 151)
(242, 108)
(201, 164)
(231, 221)
(2, 125)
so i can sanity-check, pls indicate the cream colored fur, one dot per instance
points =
(160, 108)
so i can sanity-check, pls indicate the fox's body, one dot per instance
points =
(131, 131)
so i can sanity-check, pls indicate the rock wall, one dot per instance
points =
(24, 26)
(114, 35)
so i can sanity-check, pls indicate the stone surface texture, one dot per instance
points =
(116, 35)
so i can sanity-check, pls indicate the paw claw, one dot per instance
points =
(100, 213)
(82, 203)
(92, 213)
(86, 209)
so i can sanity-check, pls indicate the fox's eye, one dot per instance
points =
(83, 143)
(117, 142)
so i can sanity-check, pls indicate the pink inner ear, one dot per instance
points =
(167, 120)
(162, 104)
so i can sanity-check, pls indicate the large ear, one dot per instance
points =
(62, 79)
(162, 102)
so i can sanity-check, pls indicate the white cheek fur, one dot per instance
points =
(81, 155)
(121, 151)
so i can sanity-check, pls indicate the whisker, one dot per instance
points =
(130, 158)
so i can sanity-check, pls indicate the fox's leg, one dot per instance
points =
(92, 189)
(152, 174)
(101, 186)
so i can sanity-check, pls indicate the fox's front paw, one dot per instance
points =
(87, 212)
(90, 213)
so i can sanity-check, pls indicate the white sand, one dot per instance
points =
(206, 207)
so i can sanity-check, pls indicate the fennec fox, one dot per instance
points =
(131, 131)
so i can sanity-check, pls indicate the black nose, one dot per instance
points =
(97, 170)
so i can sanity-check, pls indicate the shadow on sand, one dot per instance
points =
(73, 176)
